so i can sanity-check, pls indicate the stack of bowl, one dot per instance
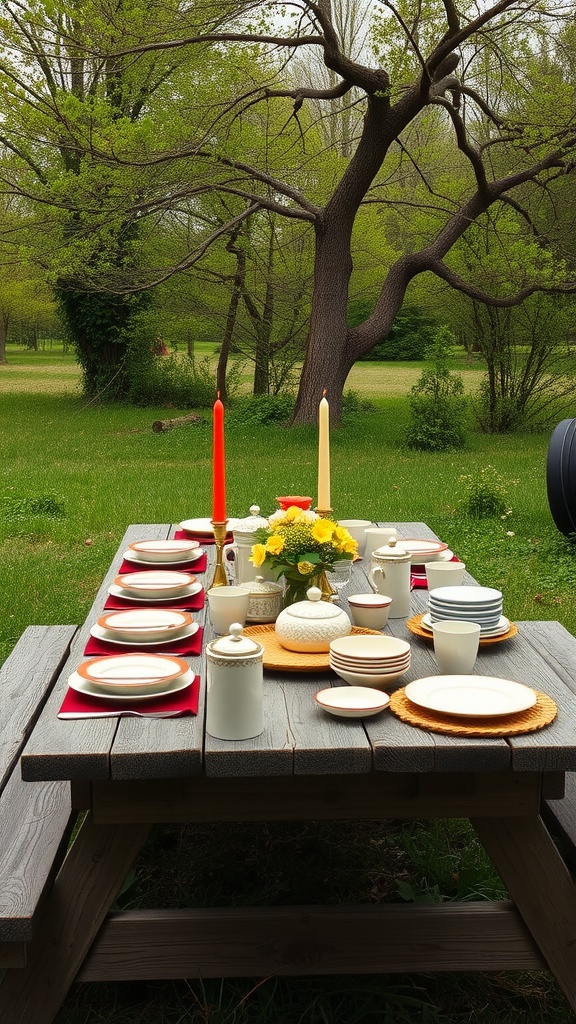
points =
(369, 660)
(467, 604)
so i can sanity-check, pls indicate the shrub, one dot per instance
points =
(438, 407)
(411, 334)
(486, 496)
(263, 409)
(172, 381)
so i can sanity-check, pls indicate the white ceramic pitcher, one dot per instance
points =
(390, 574)
(244, 537)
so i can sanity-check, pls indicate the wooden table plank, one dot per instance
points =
(78, 749)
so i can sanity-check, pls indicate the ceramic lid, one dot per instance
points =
(391, 552)
(314, 607)
(261, 586)
(235, 645)
(252, 522)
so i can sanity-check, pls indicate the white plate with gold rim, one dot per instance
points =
(135, 559)
(470, 696)
(127, 595)
(110, 638)
(76, 682)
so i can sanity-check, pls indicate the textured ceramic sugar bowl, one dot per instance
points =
(265, 600)
(311, 625)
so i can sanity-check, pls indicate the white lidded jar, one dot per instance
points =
(390, 574)
(234, 686)
(311, 625)
(244, 537)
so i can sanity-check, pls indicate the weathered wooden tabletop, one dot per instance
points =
(299, 737)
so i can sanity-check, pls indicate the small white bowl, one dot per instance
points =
(369, 610)
(369, 646)
(352, 701)
(164, 550)
(156, 583)
(380, 682)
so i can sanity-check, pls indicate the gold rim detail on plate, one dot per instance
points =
(278, 658)
(414, 625)
(543, 712)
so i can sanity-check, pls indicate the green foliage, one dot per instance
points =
(263, 409)
(171, 381)
(437, 403)
(15, 509)
(411, 335)
(485, 495)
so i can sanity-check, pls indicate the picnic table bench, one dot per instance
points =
(128, 774)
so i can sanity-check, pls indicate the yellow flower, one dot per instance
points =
(344, 542)
(275, 544)
(258, 554)
(305, 568)
(322, 531)
(293, 513)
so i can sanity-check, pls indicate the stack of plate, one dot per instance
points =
(369, 660)
(144, 627)
(131, 676)
(469, 604)
(163, 552)
(155, 585)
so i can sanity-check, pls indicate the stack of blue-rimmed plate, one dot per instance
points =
(469, 604)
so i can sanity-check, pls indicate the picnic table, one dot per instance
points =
(129, 774)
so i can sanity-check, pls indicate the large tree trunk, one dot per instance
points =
(3, 334)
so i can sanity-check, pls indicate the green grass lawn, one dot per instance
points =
(75, 475)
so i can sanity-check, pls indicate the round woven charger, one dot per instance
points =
(414, 625)
(277, 657)
(543, 712)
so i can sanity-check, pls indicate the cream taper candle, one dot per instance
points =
(324, 454)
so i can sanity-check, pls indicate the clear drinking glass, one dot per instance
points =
(339, 575)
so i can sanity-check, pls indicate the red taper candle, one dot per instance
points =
(218, 463)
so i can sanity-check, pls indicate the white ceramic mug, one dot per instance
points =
(456, 646)
(445, 574)
(377, 537)
(357, 529)
(228, 605)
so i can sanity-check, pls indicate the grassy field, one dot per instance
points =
(75, 475)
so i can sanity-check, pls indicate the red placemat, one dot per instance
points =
(418, 579)
(189, 645)
(80, 705)
(189, 604)
(200, 537)
(196, 566)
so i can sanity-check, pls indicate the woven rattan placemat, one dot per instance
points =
(277, 657)
(536, 717)
(414, 625)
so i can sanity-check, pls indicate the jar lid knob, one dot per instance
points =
(314, 593)
(254, 510)
(392, 542)
(236, 631)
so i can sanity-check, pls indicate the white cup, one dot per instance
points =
(456, 646)
(377, 537)
(228, 605)
(369, 610)
(357, 529)
(445, 574)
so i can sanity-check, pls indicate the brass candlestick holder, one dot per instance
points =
(220, 578)
(324, 513)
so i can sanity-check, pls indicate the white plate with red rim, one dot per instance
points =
(144, 623)
(422, 550)
(131, 556)
(164, 550)
(352, 701)
(469, 696)
(155, 582)
(181, 634)
(76, 682)
(126, 595)
(138, 673)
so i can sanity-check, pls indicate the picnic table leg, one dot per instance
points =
(83, 892)
(540, 885)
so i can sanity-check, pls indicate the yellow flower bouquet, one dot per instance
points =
(300, 545)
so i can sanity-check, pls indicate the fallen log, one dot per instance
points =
(159, 425)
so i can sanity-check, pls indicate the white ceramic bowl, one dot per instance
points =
(164, 550)
(369, 610)
(352, 701)
(380, 682)
(359, 664)
(155, 583)
(369, 646)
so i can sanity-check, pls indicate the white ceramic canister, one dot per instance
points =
(234, 690)
(265, 602)
(390, 574)
(311, 625)
(244, 537)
